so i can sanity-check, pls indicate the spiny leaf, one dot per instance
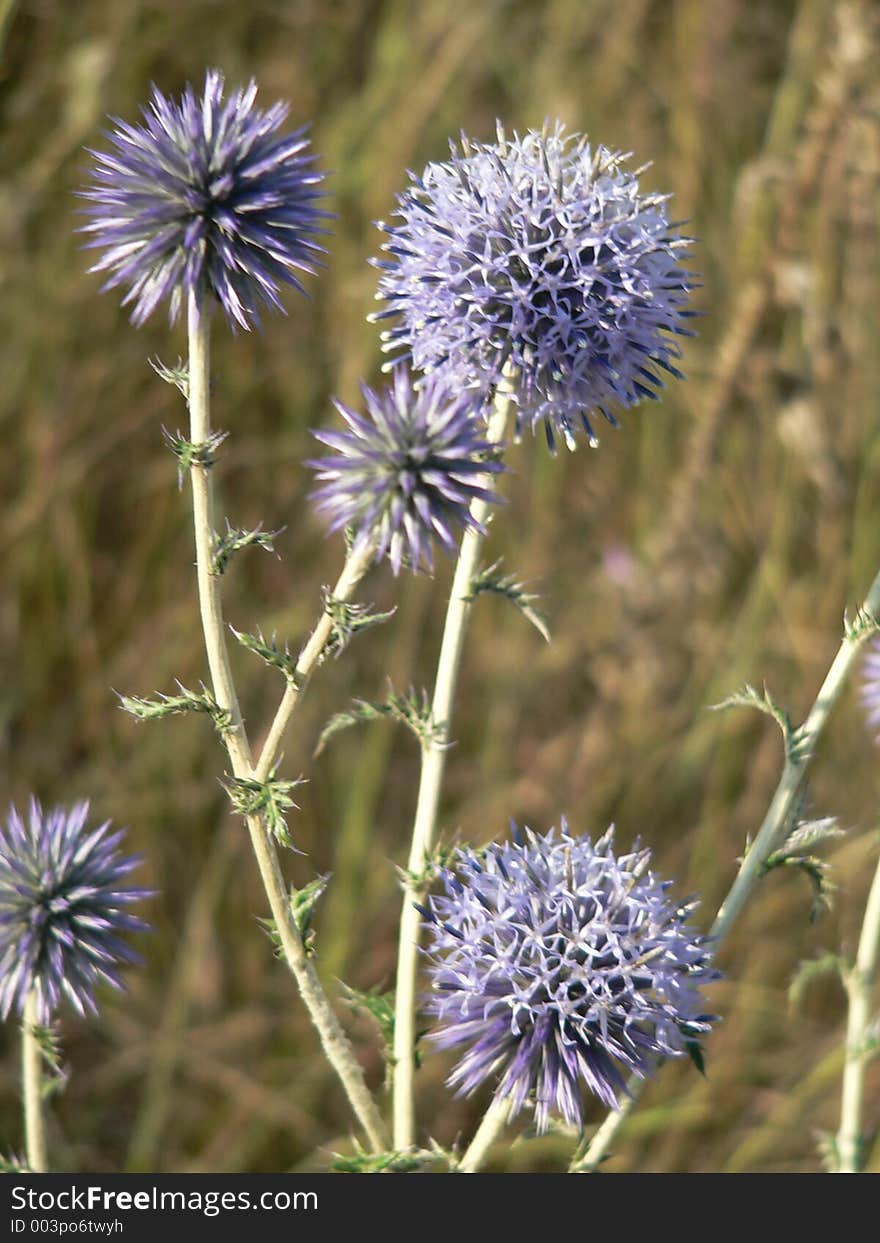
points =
(169, 705)
(226, 546)
(439, 859)
(48, 1042)
(379, 1005)
(270, 652)
(412, 710)
(361, 1162)
(808, 833)
(748, 697)
(189, 453)
(269, 799)
(862, 626)
(177, 375)
(492, 580)
(793, 853)
(348, 619)
(302, 904)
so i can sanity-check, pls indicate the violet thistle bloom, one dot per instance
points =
(205, 198)
(408, 471)
(560, 965)
(539, 252)
(871, 684)
(62, 909)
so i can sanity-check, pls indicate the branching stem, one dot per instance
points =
(333, 1039)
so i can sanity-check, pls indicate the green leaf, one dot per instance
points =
(270, 799)
(169, 705)
(348, 620)
(270, 652)
(226, 546)
(863, 625)
(793, 854)
(492, 580)
(189, 453)
(748, 697)
(412, 710)
(177, 375)
(408, 1162)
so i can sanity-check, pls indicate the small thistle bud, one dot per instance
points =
(559, 965)
(407, 472)
(62, 909)
(539, 254)
(205, 198)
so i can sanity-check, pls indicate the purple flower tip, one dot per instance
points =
(407, 472)
(559, 966)
(206, 198)
(62, 909)
(540, 252)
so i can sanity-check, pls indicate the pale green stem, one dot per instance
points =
(333, 1039)
(356, 565)
(494, 1121)
(859, 984)
(430, 783)
(770, 837)
(32, 1084)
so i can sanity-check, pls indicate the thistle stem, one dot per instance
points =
(494, 1121)
(859, 981)
(430, 783)
(32, 1083)
(356, 565)
(333, 1039)
(769, 838)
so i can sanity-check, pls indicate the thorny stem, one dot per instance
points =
(859, 981)
(494, 1122)
(356, 565)
(769, 838)
(333, 1039)
(32, 1083)
(430, 782)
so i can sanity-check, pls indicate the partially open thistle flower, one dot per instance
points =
(557, 965)
(207, 198)
(540, 254)
(406, 473)
(62, 909)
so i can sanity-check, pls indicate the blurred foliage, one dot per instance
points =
(715, 539)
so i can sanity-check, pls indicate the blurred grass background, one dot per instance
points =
(716, 538)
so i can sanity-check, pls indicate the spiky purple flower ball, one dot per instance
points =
(871, 684)
(540, 252)
(559, 965)
(62, 909)
(407, 472)
(205, 198)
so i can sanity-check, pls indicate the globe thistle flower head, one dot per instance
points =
(62, 909)
(871, 684)
(557, 965)
(540, 253)
(407, 472)
(207, 198)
